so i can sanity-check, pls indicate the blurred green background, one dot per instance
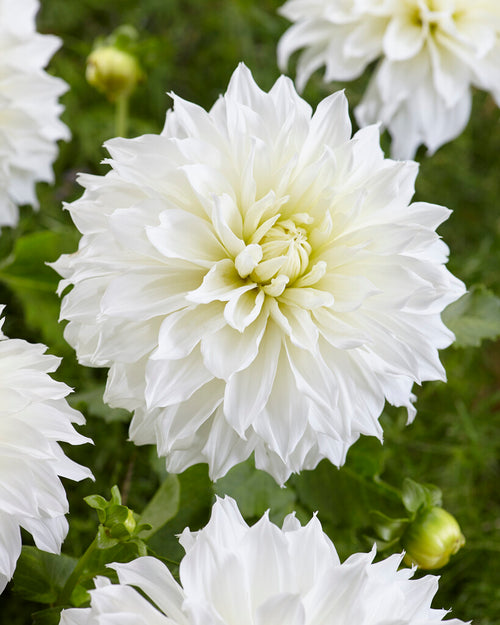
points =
(191, 47)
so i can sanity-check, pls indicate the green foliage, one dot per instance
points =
(256, 492)
(163, 506)
(191, 47)
(474, 317)
(196, 498)
(26, 273)
(40, 576)
(49, 616)
(91, 403)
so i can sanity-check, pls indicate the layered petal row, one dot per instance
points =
(257, 280)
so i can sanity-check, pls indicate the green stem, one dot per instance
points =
(121, 116)
(374, 483)
(387, 487)
(73, 579)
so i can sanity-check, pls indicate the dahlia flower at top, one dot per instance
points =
(233, 574)
(430, 54)
(34, 418)
(29, 108)
(257, 281)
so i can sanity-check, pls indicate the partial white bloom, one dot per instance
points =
(34, 418)
(233, 574)
(29, 108)
(256, 280)
(430, 54)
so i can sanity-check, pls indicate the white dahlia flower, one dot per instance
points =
(34, 417)
(256, 281)
(430, 54)
(29, 108)
(233, 574)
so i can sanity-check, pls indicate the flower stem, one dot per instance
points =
(73, 579)
(121, 116)
(375, 482)
(387, 487)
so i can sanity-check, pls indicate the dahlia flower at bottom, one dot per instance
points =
(233, 574)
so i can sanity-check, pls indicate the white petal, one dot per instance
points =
(222, 283)
(10, 548)
(228, 351)
(181, 331)
(403, 38)
(171, 381)
(247, 391)
(156, 581)
(184, 235)
(282, 608)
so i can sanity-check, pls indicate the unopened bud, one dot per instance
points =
(432, 538)
(129, 522)
(113, 71)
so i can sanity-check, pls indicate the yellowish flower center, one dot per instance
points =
(427, 14)
(288, 241)
(279, 256)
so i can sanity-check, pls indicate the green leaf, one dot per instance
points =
(40, 576)
(474, 317)
(25, 272)
(111, 551)
(90, 402)
(196, 499)
(343, 499)
(256, 491)
(50, 616)
(79, 596)
(163, 506)
(367, 457)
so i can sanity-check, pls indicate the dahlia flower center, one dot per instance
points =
(277, 254)
(288, 242)
(427, 14)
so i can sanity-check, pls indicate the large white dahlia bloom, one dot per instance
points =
(29, 108)
(233, 574)
(34, 418)
(256, 281)
(431, 52)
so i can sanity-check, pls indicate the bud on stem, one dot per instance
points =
(432, 538)
(113, 71)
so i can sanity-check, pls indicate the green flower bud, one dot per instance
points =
(113, 71)
(432, 538)
(129, 522)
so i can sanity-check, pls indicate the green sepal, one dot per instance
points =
(104, 540)
(386, 528)
(417, 496)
